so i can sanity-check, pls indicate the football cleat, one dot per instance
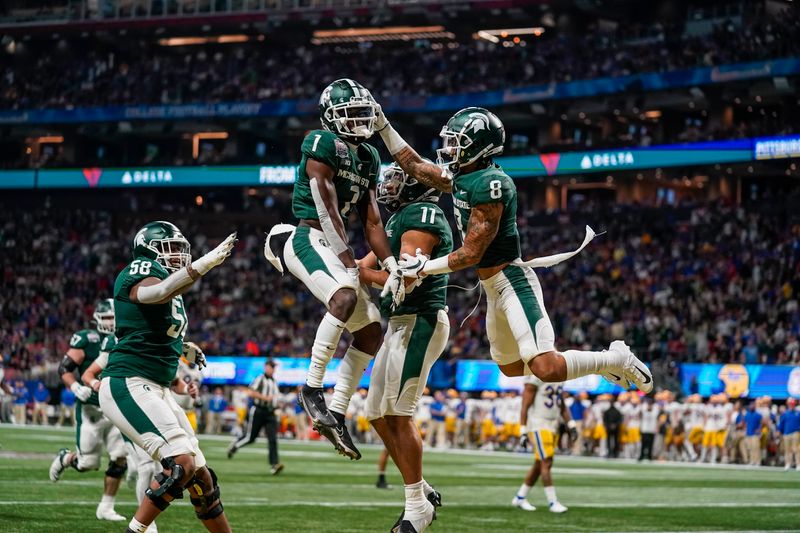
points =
(417, 525)
(435, 499)
(57, 466)
(313, 401)
(342, 440)
(522, 503)
(105, 512)
(634, 371)
(381, 483)
(232, 450)
(556, 507)
(276, 469)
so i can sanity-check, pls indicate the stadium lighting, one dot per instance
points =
(50, 139)
(192, 41)
(655, 113)
(495, 35)
(197, 137)
(392, 33)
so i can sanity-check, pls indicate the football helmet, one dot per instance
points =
(163, 242)
(104, 316)
(396, 188)
(347, 109)
(472, 134)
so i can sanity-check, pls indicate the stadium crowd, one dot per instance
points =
(708, 283)
(78, 75)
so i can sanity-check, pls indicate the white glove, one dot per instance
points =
(412, 265)
(82, 392)
(194, 354)
(380, 119)
(216, 256)
(395, 285)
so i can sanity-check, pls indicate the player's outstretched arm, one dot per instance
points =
(324, 194)
(157, 291)
(428, 173)
(484, 221)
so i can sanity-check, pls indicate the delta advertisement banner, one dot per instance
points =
(653, 81)
(741, 381)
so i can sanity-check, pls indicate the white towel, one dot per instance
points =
(552, 260)
(277, 229)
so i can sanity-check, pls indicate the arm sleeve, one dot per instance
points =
(102, 360)
(325, 147)
(143, 269)
(155, 293)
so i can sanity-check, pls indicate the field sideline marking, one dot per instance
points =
(477, 453)
(254, 502)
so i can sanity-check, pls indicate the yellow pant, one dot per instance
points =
(488, 429)
(511, 429)
(599, 432)
(191, 414)
(714, 438)
(543, 443)
(634, 435)
(696, 435)
(362, 424)
(450, 424)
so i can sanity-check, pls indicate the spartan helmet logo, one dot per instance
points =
(325, 97)
(479, 122)
(139, 241)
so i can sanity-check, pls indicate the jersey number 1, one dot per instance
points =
(425, 215)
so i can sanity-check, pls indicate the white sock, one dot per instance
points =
(523, 491)
(550, 492)
(581, 363)
(136, 526)
(416, 504)
(354, 363)
(427, 489)
(714, 454)
(327, 338)
(108, 500)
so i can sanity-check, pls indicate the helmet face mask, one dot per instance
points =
(104, 316)
(348, 110)
(472, 134)
(163, 242)
(396, 189)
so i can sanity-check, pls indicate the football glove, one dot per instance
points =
(194, 354)
(525, 442)
(380, 119)
(216, 256)
(573, 431)
(82, 392)
(395, 285)
(412, 265)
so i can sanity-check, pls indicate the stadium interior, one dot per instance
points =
(670, 127)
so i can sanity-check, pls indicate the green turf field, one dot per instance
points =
(322, 492)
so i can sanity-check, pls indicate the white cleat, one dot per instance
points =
(522, 503)
(105, 512)
(556, 507)
(634, 371)
(418, 524)
(57, 466)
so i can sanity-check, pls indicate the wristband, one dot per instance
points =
(571, 424)
(523, 430)
(91, 383)
(394, 143)
(437, 266)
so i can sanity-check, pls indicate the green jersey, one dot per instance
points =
(149, 336)
(90, 342)
(488, 186)
(431, 295)
(108, 344)
(355, 172)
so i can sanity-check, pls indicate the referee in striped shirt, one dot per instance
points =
(264, 392)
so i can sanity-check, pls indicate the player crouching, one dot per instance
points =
(135, 389)
(416, 337)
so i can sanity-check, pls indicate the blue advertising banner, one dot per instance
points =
(17, 179)
(741, 381)
(653, 81)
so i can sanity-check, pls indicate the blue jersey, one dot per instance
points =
(790, 422)
(576, 410)
(437, 407)
(752, 422)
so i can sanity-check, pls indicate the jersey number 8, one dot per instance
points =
(140, 267)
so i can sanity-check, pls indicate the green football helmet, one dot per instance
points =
(396, 189)
(472, 134)
(104, 316)
(347, 109)
(164, 243)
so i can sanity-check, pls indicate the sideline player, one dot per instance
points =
(416, 337)
(542, 403)
(521, 336)
(135, 389)
(93, 429)
(337, 178)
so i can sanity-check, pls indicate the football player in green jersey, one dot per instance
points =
(135, 386)
(520, 334)
(337, 177)
(416, 337)
(93, 429)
